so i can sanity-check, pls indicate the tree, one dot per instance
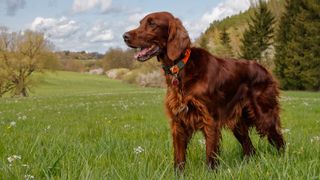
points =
(224, 37)
(298, 50)
(225, 41)
(5, 83)
(284, 34)
(258, 37)
(118, 58)
(204, 42)
(21, 54)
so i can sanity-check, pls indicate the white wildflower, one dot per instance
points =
(306, 104)
(13, 123)
(284, 131)
(47, 128)
(202, 141)
(28, 176)
(25, 165)
(24, 117)
(10, 159)
(138, 150)
(13, 158)
(125, 106)
(315, 138)
(126, 126)
(16, 156)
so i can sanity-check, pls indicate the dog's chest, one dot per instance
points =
(194, 113)
(175, 101)
(186, 109)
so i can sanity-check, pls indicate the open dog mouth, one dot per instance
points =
(146, 53)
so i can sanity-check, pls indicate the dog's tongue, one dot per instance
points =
(143, 52)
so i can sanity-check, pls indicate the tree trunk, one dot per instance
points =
(20, 87)
(24, 92)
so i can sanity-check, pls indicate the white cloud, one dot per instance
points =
(222, 10)
(99, 33)
(86, 5)
(196, 27)
(136, 17)
(55, 28)
(73, 35)
(67, 34)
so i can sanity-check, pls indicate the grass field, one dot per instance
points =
(77, 126)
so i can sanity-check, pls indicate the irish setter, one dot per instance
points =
(205, 92)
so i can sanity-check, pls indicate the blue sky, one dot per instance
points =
(96, 25)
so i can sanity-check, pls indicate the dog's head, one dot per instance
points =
(159, 33)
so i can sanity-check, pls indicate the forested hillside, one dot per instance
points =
(282, 35)
(235, 26)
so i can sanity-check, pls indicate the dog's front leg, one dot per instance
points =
(181, 138)
(212, 133)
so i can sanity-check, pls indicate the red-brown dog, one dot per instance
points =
(205, 92)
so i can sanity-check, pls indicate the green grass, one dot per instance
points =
(77, 126)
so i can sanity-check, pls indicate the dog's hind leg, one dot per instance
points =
(268, 122)
(241, 132)
(274, 133)
(269, 126)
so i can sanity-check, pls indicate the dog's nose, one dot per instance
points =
(126, 36)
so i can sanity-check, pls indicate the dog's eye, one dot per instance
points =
(152, 24)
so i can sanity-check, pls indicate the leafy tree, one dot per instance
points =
(204, 41)
(249, 48)
(118, 58)
(5, 84)
(298, 49)
(224, 37)
(72, 65)
(284, 35)
(226, 49)
(258, 37)
(21, 54)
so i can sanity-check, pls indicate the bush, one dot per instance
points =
(118, 58)
(146, 79)
(117, 73)
(131, 77)
(72, 65)
(152, 79)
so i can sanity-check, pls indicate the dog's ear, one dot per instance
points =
(178, 39)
